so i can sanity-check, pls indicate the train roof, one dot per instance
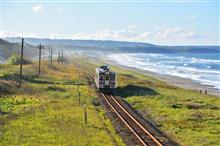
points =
(104, 69)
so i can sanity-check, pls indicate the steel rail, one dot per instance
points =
(138, 123)
(126, 112)
(126, 123)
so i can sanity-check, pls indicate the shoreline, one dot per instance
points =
(175, 81)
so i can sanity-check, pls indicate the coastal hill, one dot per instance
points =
(112, 46)
(9, 48)
(6, 48)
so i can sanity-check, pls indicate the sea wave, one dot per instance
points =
(2, 60)
(203, 69)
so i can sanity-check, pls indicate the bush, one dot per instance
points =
(15, 60)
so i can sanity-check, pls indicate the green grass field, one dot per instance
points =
(189, 117)
(46, 111)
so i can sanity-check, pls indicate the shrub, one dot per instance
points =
(15, 60)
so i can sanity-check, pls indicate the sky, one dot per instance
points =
(162, 22)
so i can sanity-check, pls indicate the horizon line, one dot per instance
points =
(112, 41)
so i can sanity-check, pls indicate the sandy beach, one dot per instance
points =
(176, 81)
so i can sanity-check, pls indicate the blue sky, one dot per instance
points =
(161, 22)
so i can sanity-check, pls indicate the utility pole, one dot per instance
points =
(21, 62)
(85, 114)
(58, 58)
(78, 90)
(62, 57)
(79, 97)
(39, 67)
(51, 57)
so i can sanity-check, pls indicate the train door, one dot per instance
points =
(101, 81)
(107, 80)
(112, 81)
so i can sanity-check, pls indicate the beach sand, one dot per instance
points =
(176, 81)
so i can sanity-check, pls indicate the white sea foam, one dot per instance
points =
(202, 70)
(2, 60)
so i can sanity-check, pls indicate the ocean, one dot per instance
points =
(2, 60)
(203, 68)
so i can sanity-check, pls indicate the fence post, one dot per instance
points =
(62, 57)
(85, 114)
(51, 57)
(58, 57)
(21, 62)
(79, 93)
(39, 67)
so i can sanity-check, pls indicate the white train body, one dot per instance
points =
(105, 79)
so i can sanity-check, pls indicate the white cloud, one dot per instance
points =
(175, 35)
(37, 8)
(159, 35)
(145, 35)
(178, 33)
(128, 33)
(52, 36)
(17, 34)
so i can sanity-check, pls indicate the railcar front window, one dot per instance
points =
(112, 78)
(106, 78)
(101, 78)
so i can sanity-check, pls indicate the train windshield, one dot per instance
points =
(112, 77)
(101, 77)
(104, 67)
(106, 78)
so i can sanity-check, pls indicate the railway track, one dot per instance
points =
(143, 135)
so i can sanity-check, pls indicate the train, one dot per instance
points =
(105, 79)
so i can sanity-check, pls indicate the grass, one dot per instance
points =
(189, 117)
(46, 111)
